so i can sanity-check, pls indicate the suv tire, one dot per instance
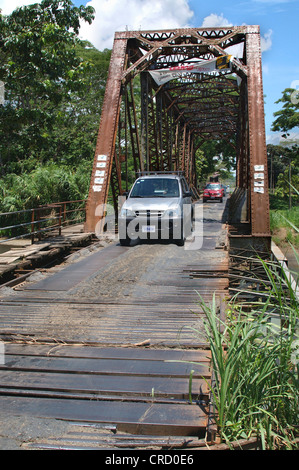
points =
(125, 241)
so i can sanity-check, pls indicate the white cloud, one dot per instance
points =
(8, 6)
(266, 41)
(215, 21)
(273, 138)
(117, 15)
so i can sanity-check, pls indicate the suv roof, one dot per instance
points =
(159, 174)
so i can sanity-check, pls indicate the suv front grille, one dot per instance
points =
(153, 213)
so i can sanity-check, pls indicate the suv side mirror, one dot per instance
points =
(188, 194)
(125, 194)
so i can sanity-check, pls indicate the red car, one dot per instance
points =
(213, 191)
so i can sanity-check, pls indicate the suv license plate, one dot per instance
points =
(148, 229)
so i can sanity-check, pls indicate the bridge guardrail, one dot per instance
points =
(37, 222)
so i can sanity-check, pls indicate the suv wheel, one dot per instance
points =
(181, 241)
(125, 241)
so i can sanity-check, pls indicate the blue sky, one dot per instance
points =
(278, 20)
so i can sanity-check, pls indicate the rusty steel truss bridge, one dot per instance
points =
(100, 353)
(169, 91)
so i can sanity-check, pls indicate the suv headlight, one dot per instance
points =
(126, 213)
(173, 212)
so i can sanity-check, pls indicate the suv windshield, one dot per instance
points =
(156, 187)
(213, 186)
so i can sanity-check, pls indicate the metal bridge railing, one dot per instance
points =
(39, 221)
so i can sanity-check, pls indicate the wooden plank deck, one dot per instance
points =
(114, 339)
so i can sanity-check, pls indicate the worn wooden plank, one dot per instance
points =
(8, 259)
(71, 276)
(148, 386)
(67, 350)
(105, 366)
(101, 322)
(141, 418)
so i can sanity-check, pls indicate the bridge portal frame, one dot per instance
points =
(136, 53)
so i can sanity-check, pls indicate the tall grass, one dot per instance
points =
(255, 390)
(287, 220)
(283, 217)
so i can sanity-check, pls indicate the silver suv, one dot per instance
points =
(159, 206)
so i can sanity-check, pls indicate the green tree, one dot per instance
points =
(72, 137)
(289, 178)
(212, 156)
(283, 169)
(277, 163)
(40, 68)
(51, 115)
(288, 117)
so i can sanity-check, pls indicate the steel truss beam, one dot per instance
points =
(158, 127)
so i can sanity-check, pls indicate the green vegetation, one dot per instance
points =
(287, 118)
(212, 156)
(255, 362)
(283, 224)
(283, 164)
(43, 185)
(54, 87)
